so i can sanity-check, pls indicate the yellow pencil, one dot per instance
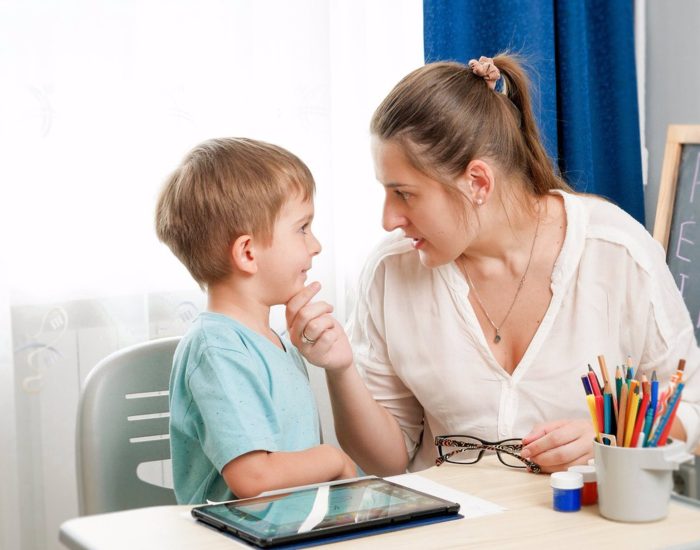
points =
(631, 416)
(590, 399)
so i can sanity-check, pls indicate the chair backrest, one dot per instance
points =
(122, 422)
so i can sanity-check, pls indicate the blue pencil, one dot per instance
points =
(654, 441)
(648, 422)
(653, 403)
(586, 385)
(608, 414)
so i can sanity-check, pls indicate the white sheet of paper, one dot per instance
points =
(470, 506)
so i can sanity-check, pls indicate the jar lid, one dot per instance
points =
(566, 480)
(588, 472)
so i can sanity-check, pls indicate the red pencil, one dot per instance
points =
(641, 415)
(595, 386)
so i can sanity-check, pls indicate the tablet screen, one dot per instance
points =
(327, 509)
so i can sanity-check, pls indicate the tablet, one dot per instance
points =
(322, 510)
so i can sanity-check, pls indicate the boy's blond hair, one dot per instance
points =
(225, 188)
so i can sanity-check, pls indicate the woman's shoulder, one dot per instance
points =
(608, 224)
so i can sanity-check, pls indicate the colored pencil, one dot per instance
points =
(590, 399)
(633, 404)
(669, 423)
(641, 416)
(608, 414)
(630, 369)
(665, 422)
(651, 412)
(622, 415)
(681, 368)
(595, 385)
(607, 388)
(586, 384)
(604, 372)
(600, 411)
(630, 390)
(648, 423)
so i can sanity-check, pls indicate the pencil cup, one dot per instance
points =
(634, 483)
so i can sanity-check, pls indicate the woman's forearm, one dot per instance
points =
(677, 430)
(365, 430)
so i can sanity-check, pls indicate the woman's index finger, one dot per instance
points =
(299, 300)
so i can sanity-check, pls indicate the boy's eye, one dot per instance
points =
(304, 228)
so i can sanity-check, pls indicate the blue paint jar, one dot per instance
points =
(566, 491)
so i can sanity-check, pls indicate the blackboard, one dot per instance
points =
(677, 225)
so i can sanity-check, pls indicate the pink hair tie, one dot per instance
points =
(486, 69)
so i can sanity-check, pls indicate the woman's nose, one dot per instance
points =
(391, 219)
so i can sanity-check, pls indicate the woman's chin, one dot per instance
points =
(429, 260)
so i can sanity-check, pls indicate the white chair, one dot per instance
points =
(123, 418)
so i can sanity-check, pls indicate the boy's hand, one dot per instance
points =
(557, 445)
(315, 332)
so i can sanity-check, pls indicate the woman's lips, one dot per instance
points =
(417, 243)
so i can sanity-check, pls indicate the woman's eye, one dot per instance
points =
(402, 194)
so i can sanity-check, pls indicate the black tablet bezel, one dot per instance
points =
(442, 508)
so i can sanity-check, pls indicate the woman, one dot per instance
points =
(480, 316)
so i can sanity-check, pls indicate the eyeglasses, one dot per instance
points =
(465, 449)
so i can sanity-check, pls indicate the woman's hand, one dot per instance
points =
(315, 332)
(557, 445)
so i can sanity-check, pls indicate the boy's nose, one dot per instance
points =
(315, 246)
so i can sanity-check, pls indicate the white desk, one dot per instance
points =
(528, 522)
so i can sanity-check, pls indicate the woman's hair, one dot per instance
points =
(225, 188)
(444, 116)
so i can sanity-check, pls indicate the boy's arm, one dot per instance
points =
(252, 473)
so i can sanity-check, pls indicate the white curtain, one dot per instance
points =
(100, 100)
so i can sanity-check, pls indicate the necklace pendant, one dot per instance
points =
(497, 338)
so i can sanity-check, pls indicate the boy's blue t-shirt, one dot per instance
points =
(233, 391)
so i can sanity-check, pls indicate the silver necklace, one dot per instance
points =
(498, 328)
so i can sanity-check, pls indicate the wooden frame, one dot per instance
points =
(678, 135)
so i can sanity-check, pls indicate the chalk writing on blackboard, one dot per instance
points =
(683, 251)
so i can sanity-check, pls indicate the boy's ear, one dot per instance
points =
(243, 254)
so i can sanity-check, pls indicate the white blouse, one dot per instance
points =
(423, 355)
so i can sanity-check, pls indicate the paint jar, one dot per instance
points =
(589, 493)
(566, 491)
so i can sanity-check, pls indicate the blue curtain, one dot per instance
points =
(580, 58)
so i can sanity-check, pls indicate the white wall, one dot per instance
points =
(672, 87)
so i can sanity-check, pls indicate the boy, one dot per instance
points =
(237, 213)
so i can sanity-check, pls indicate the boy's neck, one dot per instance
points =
(242, 306)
